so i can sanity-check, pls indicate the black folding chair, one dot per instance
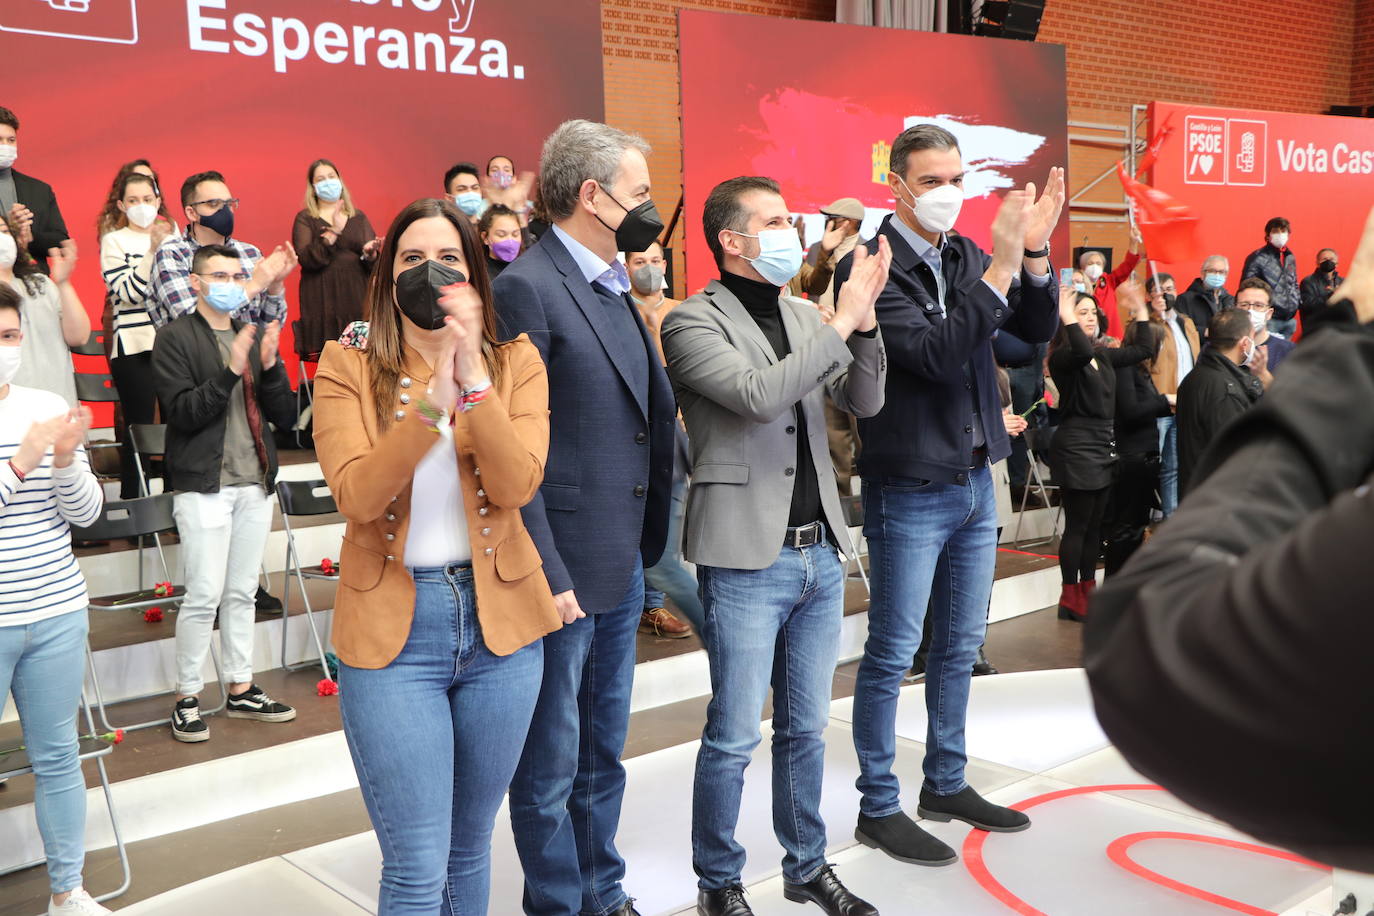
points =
(304, 388)
(95, 345)
(16, 763)
(97, 388)
(147, 516)
(1037, 447)
(303, 498)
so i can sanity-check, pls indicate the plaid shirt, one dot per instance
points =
(170, 295)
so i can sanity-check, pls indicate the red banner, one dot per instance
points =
(819, 108)
(393, 91)
(1236, 169)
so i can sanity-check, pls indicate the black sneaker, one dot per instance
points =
(983, 667)
(254, 704)
(266, 603)
(187, 725)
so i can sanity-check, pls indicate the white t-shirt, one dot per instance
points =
(127, 269)
(39, 576)
(438, 533)
(44, 360)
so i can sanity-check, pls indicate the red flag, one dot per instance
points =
(1168, 226)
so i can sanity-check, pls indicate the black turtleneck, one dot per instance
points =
(761, 301)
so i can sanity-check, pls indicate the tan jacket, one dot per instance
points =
(1164, 370)
(502, 445)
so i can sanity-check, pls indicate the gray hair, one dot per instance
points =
(576, 151)
(1216, 257)
(916, 138)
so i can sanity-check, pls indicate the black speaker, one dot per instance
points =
(1346, 111)
(1023, 19)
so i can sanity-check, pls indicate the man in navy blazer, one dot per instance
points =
(601, 515)
(929, 511)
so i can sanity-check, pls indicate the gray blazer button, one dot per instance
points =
(790, 471)
(639, 489)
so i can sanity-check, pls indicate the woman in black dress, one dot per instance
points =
(1138, 405)
(336, 245)
(1084, 449)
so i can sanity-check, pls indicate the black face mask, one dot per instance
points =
(418, 290)
(221, 221)
(639, 229)
(1328, 266)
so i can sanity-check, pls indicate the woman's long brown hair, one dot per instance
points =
(111, 217)
(385, 340)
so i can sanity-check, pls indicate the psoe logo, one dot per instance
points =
(1204, 150)
(1247, 142)
(113, 21)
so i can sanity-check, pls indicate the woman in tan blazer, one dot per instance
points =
(432, 435)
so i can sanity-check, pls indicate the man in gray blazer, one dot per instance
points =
(751, 370)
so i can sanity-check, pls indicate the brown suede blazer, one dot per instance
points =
(502, 445)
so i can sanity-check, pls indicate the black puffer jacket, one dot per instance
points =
(1280, 270)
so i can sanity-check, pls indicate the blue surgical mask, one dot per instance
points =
(470, 202)
(1081, 287)
(780, 255)
(1214, 281)
(330, 189)
(225, 297)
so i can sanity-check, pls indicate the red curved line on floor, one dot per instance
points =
(1119, 852)
(977, 867)
(973, 844)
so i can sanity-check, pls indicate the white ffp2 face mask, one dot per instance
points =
(1278, 239)
(9, 363)
(937, 210)
(8, 153)
(1093, 272)
(142, 215)
(9, 250)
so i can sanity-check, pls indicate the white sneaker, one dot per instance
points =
(79, 903)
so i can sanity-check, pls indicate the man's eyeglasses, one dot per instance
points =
(218, 203)
(222, 277)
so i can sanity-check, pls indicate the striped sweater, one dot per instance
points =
(39, 577)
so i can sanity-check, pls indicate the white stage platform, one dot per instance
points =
(1029, 734)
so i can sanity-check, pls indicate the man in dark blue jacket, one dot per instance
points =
(601, 515)
(929, 511)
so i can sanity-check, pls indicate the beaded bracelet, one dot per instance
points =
(475, 395)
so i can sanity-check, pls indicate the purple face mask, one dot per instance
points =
(506, 249)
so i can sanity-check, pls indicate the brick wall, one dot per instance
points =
(1294, 55)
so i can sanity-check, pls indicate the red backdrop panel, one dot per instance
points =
(817, 105)
(1235, 169)
(259, 88)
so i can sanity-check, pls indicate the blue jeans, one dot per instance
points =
(435, 737)
(669, 574)
(778, 626)
(928, 544)
(565, 800)
(1168, 465)
(43, 664)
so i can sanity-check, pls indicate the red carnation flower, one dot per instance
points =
(153, 615)
(327, 687)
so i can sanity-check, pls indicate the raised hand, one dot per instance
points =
(371, 249)
(1009, 232)
(62, 261)
(1045, 211)
(465, 319)
(36, 442)
(854, 308)
(267, 349)
(159, 233)
(834, 234)
(238, 350)
(1132, 295)
(69, 431)
(1358, 286)
(1068, 305)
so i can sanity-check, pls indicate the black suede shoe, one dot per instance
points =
(728, 901)
(625, 909)
(971, 808)
(899, 837)
(267, 603)
(826, 891)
